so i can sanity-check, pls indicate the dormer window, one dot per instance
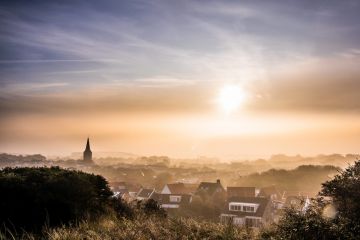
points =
(243, 207)
(235, 207)
(248, 209)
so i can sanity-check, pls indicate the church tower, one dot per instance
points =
(88, 153)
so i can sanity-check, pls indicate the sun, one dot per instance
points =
(231, 97)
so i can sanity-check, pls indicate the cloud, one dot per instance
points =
(319, 85)
(123, 46)
(164, 82)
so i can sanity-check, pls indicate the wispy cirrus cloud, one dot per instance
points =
(192, 42)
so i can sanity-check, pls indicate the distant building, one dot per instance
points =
(247, 211)
(87, 157)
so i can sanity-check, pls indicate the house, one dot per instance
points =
(240, 192)
(145, 193)
(247, 211)
(210, 188)
(179, 188)
(212, 192)
(172, 201)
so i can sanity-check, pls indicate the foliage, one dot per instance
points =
(296, 225)
(316, 223)
(345, 191)
(151, 207)
(34, 197)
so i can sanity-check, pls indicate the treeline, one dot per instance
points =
(9, 160)
(307, 178)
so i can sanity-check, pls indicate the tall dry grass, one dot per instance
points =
(141, 228)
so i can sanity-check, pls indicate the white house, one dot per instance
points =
(249, 211)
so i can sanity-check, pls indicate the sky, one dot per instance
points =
(153, 77)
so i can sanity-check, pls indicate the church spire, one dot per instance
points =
(88, 145)
(87, 156)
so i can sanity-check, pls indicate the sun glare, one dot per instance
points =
(230, 98)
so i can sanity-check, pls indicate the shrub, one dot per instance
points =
(34, 197)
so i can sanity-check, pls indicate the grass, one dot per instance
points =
(142, 227)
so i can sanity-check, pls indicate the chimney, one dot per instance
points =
(218, 181)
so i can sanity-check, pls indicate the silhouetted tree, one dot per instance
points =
(32, 197)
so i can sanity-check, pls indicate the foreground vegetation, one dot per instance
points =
(149, 228)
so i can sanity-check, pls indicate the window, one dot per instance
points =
(238, 221)
(235, 207)
(248, 209)
(242, 207)
(253, 222)
(226, 219)
(175, 198)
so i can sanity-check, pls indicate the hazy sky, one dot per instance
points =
(145, 77)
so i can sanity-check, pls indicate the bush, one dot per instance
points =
(34, 197)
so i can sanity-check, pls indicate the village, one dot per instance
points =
(243, 206)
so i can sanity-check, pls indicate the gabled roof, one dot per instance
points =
(145, 192)
(210, 187)
(240, 192)
(270, 190)
(177, 188)
(181, 188)
(263, 204)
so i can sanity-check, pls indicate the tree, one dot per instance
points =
(344, 189)
(344, 194)
(297, 225)
(34, 197)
